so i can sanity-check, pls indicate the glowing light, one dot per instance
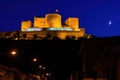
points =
(35, 59)
(110, 22)
(13, 52)
(60, 29)
(40, 66)
(33, 29)
(43, 67)
(48, 74)
(51, 29)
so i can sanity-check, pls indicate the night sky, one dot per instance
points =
(99, 17)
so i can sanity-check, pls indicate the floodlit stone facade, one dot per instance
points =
(49, 27)
(50, 21)
(72, 23)
(52, 24)
(26, 24)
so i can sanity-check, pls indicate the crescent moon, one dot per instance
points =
(110, 22)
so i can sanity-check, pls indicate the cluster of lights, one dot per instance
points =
(49, 29)
(41, 67)
(48, 74)
(33, 29)
(60, 29)
(13, 53)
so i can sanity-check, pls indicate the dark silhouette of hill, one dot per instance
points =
(110, 37)
(59, 57)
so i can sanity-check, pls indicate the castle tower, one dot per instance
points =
(54, 20)
(26, 24)
(72, 22)
(40, 22)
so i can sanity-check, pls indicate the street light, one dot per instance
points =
(47, 77)
(43, 67)
(47, 74)
(42, 72)
(34, 59)
(40, 66)
(13, 52)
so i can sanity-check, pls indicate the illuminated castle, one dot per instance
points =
(52, 24)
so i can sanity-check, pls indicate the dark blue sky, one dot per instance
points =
(94, 15)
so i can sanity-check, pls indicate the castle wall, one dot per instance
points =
(72, 23)
(26, 24)
(54, 20)
(40, 22)
(60, 34)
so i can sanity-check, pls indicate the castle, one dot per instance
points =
(48, 27)
(52, 24)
